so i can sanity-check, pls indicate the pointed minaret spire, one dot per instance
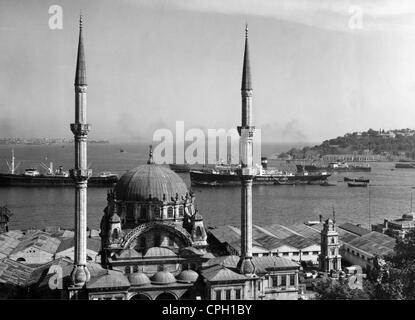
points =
(80, 76)
(246, 132)
(246, 71)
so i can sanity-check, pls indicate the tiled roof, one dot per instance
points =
(15, 273)
(92, 244)
(271, 262)
(299, 242)
(374, 243)
(219, 273)
(7, 244)
(40, 240)
(16, 234)
(41, 275)
(354, 229)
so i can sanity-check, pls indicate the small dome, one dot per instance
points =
(187, 276)
(138, 279)
(163, 277)
(115, 218)
(197, 217)
(159, 252)
(408, 216)
(151, 179)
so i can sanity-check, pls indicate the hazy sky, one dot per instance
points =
(318, 70)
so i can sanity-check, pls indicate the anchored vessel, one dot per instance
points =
(334, 167)
(228, 177)
(32, 177)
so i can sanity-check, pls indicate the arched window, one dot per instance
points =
(332, 240)
(199, 231)
(170, 213)
(157, 212)
(181, 211)
(127, 269)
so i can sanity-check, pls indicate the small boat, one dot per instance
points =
(327, 184)
(360, 179)
(357, 184)
(121, 150)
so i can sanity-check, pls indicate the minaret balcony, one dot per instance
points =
(80, 174)
(80, 129)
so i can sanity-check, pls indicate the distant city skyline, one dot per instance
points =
(319, 69)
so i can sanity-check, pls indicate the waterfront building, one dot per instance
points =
(396, 228)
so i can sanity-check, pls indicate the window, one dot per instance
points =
(315, 252)
(332, 240)
(180, 211)
(198, 232)
(283, 281)
(292, 279)
(218, 294)
(285, 254)
(170, 212)
(157, 212)
(238, 294)
(295, 253)
(228, 294)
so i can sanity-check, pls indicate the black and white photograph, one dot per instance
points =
(208, 151)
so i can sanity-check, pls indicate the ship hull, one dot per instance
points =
(311, 168)
(200, 178)
(405, 165)
(17, 180)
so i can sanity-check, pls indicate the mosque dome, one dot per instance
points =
(159, 252)
(408, 216)
(148, 180)
(187, 276)
(138, 279)
(163, 277)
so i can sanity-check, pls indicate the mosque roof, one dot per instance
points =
(187, 276)
(127, 254)
(105, 278)
(138, 279)
(148, 180)
(159, 252)
(219, 273)
(163, 277)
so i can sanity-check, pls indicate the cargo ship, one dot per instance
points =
(334, 167)
(31, 177)
(229, 177)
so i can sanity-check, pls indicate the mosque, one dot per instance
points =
(153, 239)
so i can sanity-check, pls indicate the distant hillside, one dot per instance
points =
(390, 144)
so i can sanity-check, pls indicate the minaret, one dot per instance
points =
(80, 274)
(246, 132)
